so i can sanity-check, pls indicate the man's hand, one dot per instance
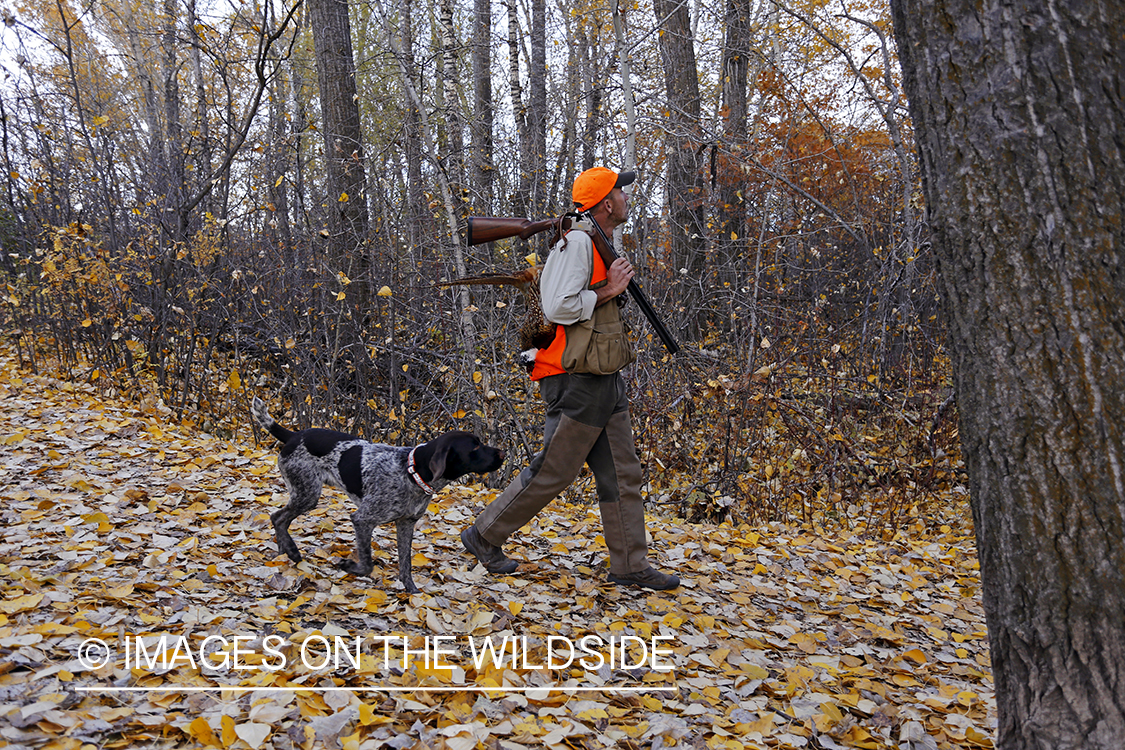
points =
(617, 277)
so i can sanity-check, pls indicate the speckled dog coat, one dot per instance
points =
(387, 483)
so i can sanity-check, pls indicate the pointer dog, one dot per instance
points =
(386, 483)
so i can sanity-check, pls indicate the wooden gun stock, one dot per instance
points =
(483, 229)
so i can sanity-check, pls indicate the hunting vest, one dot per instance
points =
(597, 346)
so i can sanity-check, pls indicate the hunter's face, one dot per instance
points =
(619, 206)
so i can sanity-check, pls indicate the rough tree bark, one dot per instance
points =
(483, 168)
(682, 143)
(343, 145)
(519, 111)
(537, 113)
(1018, 109)
(733, 244)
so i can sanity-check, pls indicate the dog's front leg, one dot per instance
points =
(404, 528)
(362, 565)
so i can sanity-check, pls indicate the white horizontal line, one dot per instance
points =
(381, 689)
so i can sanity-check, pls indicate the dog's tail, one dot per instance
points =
(262, 415)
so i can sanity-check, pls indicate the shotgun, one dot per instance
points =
(490, 228)
(483, 229)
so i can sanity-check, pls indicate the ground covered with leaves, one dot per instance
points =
(138, 577)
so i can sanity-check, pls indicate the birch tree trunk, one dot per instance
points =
(590, 49)
(174, 217)
(143, 72)
(450, 138)
(299, 96)
(1018, 112)
(277, 225)
(418, 213)
(519, 112)
(431, 153)
(537, 108)
(202, 108)
(626, 70)
(630, 163)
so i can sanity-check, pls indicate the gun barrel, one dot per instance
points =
(650, 312)
(604, 246)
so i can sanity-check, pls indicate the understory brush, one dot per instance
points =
(809, 428)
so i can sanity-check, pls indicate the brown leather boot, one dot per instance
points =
(649, 578)
(490, 556)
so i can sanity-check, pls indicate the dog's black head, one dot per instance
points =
(456, 454)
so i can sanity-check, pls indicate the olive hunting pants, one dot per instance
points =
(587, 423)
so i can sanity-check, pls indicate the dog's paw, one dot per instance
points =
(351, 566)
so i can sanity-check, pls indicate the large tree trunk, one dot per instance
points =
(537, 108)
(733, 242)
(681, 145)
(343, 144)
(483, 168)
(1019, 118)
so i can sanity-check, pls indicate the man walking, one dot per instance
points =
(580, 380)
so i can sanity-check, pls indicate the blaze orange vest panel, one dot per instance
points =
(549, 361)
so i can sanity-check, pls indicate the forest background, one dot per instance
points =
(203, 201)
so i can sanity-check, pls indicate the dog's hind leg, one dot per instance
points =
(303, 497)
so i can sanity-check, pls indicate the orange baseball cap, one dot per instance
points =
(593, 185)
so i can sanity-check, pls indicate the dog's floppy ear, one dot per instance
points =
(438, 460)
